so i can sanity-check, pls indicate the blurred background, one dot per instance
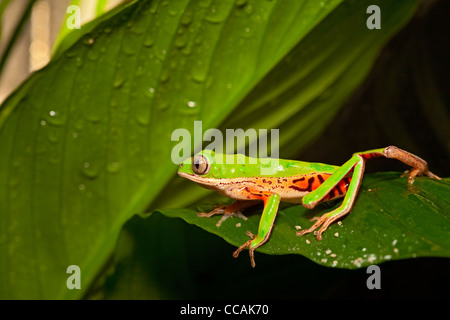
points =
(404, 101)
(34, 42)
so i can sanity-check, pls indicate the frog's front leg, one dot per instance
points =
(232, 210)
(271, 202)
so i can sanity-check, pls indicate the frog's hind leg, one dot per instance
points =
(419, 166)
(357, 164)
(347, 204)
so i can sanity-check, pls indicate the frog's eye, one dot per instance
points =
(200, 165)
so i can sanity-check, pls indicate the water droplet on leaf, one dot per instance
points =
(113, 167)
(89, 170)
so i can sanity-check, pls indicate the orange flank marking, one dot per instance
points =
(251, 194)
(291, 189)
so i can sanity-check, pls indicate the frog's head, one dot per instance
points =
(203, 168)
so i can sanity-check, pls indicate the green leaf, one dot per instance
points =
(391, 220)
(86, 141)
(163, 258)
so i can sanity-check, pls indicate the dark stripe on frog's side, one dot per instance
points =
(367, 156)
(307, 188)
(257, 194)
(339, 190)
(309, 182)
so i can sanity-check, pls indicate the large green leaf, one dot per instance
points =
(391, 220)
(86, 141)
(159, 257)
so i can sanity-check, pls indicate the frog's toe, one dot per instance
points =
(237, 214)
(218, 210)
(318, 223)
(247, 244)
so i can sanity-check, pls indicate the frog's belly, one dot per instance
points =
(246, 193)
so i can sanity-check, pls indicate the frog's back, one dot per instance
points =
(292, 168)
(239, 165)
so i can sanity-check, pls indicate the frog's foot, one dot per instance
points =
(233, 210)
(419, 166)
(251, 250)
(324, 221)
(218, 210)
(222, 210)
(411, 174)
(237, 214)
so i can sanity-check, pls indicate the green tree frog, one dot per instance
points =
(239, 177)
